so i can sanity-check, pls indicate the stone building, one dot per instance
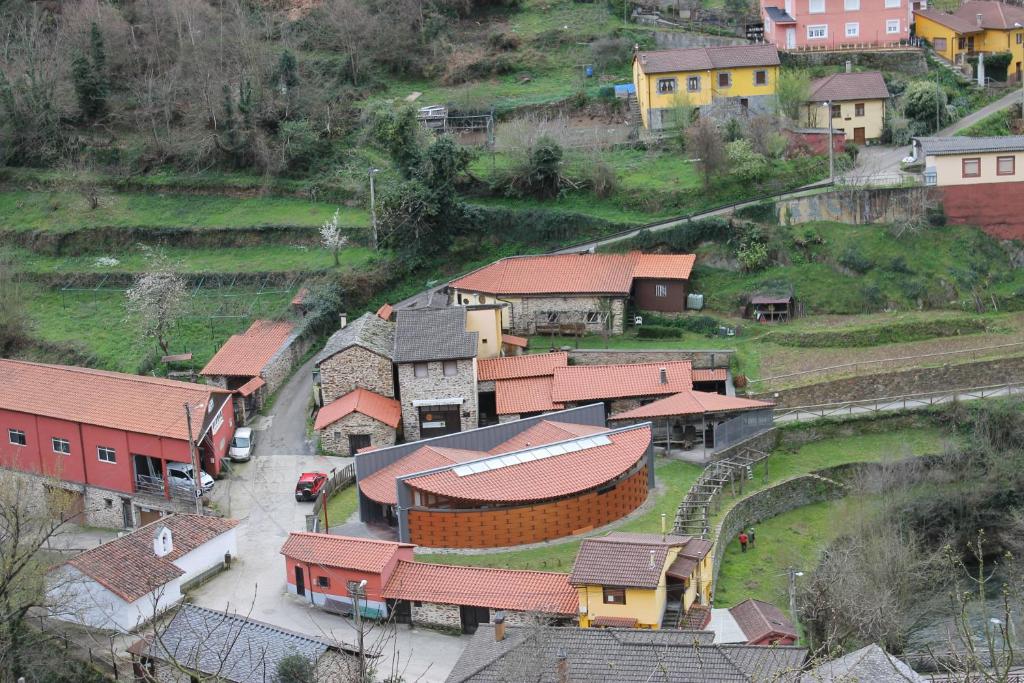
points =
(359, 419)
(356, 356)
(436, 359)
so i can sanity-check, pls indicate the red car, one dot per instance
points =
(309, 486)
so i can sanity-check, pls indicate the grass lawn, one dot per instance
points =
(95, 323)
(992, 125)
(674, 479)
(58, 211)
(579, 204)
(341, 505)
(256, 259)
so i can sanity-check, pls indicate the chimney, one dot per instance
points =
(562, 667)
(663, 527)
(163, 541)
(343, 320)
(643, 59)
(849, 66)
(651, 561)
(499, 627)
(978, 17)
(663, 374)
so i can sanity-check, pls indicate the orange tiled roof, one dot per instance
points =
(385, 311)
(134, 403)
(526, 591)
(524, 395)
(250, 387)
(692, 403)
(574, 273)
(369, 403)
(710, 375)
(549, 477)
(545, 431)
(599, 382)
(244, 355)
(380, 486)
(512, 367)
(344, 552)
(127, 566)
(513, 340)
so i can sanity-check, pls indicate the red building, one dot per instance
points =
(108, 431)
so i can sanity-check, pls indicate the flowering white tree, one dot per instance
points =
(156, 301)
(331, 236)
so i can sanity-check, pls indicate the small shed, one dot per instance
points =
(771, 308)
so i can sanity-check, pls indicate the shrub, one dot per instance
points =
(602, 178)
(936, 215)
(761, 212)
(609, 53)
(745, 163)
(921, 100)
(896, 129)
(733, 130)
(852, 150)
(853, 259)
(898, 264)
(681, 239)
(657, 332)
(503, 40)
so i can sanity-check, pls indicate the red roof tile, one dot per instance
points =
(380, 486)
(250, 387)
(759, 620)
(371, 404)
(343, 552)
(692, 403)
(300, 296)
(549, 477)
(513, 340)
(994, 15)
(385, 311)
(513, 367)
(526, 395)
(128, 567)
(950, 21)
(526, 591)
(710, 375)
(134, 403)
(544, 432)
(599, 382)
(704, 58)
(574, 273)
(245, 355)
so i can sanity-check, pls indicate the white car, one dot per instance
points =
(241, 445)
(180, 476)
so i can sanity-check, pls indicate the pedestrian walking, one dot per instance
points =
(743, 542)
(751, 537)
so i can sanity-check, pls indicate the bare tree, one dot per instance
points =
(331, 236)
(157, 301)
(704, 143)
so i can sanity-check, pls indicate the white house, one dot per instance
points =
(126, 582)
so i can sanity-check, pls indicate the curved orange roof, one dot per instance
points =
(380, 486)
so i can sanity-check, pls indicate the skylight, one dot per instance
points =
(530, 455)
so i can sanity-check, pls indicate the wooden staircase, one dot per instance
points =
(692, 516)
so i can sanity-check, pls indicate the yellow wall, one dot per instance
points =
(742, 85)
(817, 115)
(989, 40)
(994, 40)
(473, 298)
(930, 30)
(949, 168)
(486, 322)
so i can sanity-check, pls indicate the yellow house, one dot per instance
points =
(978, 26)
(631, 580)
(971, 161)
(718, 81)
(485, 320)
(855, 102)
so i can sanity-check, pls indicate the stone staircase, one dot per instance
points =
(635, 115)
(692, 516)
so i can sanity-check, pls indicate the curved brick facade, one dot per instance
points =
(495, 528)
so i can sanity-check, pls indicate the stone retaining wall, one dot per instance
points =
(858, 207)
(908, 61)
(916, 381)
(448, 617)
(279, 367)
(700, 358)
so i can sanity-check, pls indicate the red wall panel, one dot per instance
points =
(996, 208)
(116, 476)
(24, 458)
(69, 467)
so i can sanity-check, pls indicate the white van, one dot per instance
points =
(179, 474)
(241, 445)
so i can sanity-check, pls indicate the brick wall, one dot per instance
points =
(523, 315)
(436, 386)
(527, 524)
(919, 380)
(353, 368)
(699, 358)
(334, 438)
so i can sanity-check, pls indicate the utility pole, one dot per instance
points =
(197, 478)
(356, 590)
(373, 209)
(793, 573)
(937, 105)
(831, 145)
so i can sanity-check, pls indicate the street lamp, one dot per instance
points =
(373, 208)
(831, 152)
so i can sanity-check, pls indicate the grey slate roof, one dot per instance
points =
(227, 645)
(965, 145)
(620, 655)
(702, 58)
(368, 331)
(433, 334)
(622, 559)
(869, 664)
(779, 15)
(843, 87)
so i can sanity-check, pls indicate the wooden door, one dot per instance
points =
(147, 516)
(300, 581)
(472, 617)
(858, 136)
(357, 441)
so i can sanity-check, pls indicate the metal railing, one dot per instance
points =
(879, 180)
(856, 366)
(693, 516)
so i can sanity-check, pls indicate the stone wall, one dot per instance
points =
(699, 358)
(334, 438)
(356, 367)
(858, 207)
(907, 60)
(280, 365)
(438, 615)
(916, 381)
(523, 315)
(435, 386)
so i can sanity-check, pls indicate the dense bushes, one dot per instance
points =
(661, 327)
(681, 239)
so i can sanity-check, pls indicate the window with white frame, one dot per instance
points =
(62, 446)
(816, 6)
(16, 437)
(892, 26)
(817, 31)
(666, 86)
(852, 29)
(851, 5)
(693, 84)
(892, 3)
(106, 454)
(660, 290)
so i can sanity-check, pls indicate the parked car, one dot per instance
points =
(179, 474)
(241, 445)
(309, 486)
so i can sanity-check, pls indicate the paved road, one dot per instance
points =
(260, 493)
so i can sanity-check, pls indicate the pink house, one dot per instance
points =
(831, 24)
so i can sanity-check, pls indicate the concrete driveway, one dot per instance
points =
(260, 494)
